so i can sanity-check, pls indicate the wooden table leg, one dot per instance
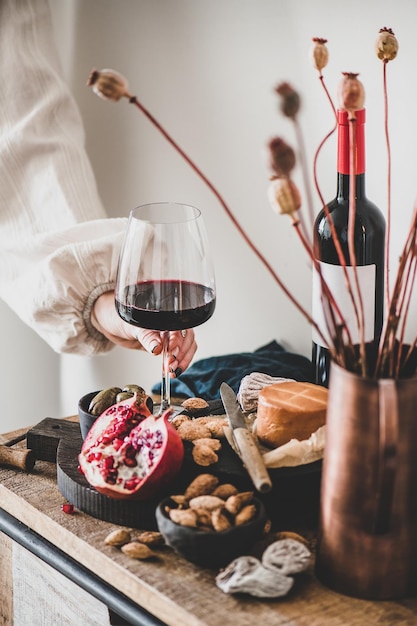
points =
(6, 580)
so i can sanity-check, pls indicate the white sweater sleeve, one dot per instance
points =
(58, 250)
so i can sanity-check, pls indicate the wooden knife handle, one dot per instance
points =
(252, 459)
(20, 459)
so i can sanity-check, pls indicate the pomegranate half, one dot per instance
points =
(129, 453)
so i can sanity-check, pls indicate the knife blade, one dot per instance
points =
(245, 443)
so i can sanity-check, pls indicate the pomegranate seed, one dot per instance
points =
(111, 478)
(108, 462)
(68, 508)
(130, 451)
(130, 462)
(132, 483)
(93, 456)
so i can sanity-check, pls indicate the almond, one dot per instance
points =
(237, 501)
(184, 517)
(247, 513)
(137, 550)
(151, 538)
(206, 502)
(118, 537)
(225, 490)
(202, 485)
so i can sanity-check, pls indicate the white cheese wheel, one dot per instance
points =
(290, 410)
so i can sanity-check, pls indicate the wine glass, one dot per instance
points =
(165, 278)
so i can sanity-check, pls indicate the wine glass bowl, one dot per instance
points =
(165, 278)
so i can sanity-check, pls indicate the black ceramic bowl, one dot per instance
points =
(86, 418)
(209, 548)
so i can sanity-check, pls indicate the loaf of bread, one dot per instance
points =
(290, 410)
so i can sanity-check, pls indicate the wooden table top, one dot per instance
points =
(171, 588)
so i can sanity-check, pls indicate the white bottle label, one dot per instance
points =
(335, 279)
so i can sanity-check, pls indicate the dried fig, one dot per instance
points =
(287, 556)
(246, 574)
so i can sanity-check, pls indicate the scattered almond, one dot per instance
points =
(214, 444)
(180, 419)
(188, 431)
(216, 427)
(151, 538)
(137, 550)
(118, 537)
(203, 454)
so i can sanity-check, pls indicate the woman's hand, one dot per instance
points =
(106, 320)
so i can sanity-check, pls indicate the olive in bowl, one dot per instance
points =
(93, 404)
(205, 546)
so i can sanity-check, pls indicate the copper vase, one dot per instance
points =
(367, 544)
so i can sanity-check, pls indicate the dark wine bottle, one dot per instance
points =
(369, 244)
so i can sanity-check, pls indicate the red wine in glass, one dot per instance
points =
(167, 304)
(165, 279)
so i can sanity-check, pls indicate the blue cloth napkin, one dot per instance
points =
(203, 378)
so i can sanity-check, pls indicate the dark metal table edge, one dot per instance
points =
(117, 602)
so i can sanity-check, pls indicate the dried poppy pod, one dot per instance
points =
(351, 92)
(108, 84)
(319, 53)
(282, 157)
(290, 103)
(386, 45)
(284, 196)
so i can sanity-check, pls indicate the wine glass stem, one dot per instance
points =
(165, 388)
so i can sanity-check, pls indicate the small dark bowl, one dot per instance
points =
(86, 418)
(209, 548)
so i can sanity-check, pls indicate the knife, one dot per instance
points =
(245, 443)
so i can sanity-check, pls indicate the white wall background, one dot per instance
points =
(206, 69)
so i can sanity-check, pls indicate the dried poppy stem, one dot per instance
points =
(407, 285)
(197, 170)
(303, 161)
(410, 281)
(388, 144)
(390, 326)
(358, 306)
(111, 85)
